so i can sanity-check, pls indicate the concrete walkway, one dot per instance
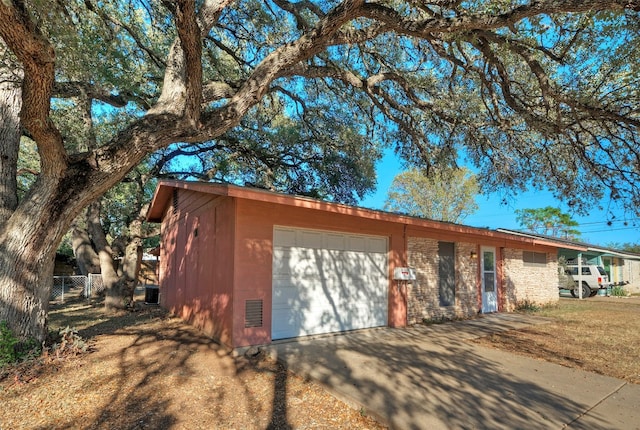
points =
(433, 378)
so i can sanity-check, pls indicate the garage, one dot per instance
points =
(325, 282)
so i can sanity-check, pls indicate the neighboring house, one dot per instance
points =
(623, 267)
(249, 266)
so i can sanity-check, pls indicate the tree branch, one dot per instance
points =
(466, 22)
(191, 44)
(37, 56)
(81, 89)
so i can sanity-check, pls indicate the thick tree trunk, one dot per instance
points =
(28, 242)
(110, 279)
(132, 260)
(86, 257)
(119, 293)
(10, 104)
(26, 285)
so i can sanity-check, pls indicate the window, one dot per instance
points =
(447, 273)
(535, 259)
(573, 271)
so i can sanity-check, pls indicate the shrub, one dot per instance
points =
(432, 321)
(618, 291)
(69, 343)
(527, 305)
(13, 350)
(8, 343)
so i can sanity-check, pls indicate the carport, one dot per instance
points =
(622, 267)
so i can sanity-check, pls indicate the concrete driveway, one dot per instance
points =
(433, 378)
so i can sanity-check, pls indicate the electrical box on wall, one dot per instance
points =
(404, 274)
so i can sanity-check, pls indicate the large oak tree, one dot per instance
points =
(535, 93)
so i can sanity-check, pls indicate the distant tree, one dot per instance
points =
(627, 246)
(548, 221)
(443, 195)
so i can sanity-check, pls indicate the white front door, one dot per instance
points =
(489, 287)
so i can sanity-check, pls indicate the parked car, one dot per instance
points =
(593, 278)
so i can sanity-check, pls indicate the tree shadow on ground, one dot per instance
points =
(430, 377)
(158, 364)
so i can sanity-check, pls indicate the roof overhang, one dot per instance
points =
(582, 247)
(164, 191)
(617, 254)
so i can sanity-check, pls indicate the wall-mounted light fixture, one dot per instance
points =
(474, 255)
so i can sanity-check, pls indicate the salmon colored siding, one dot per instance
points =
(397, 291)
(196, 270)
(217, 253)
(252, 272)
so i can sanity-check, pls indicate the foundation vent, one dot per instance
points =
(253, 313)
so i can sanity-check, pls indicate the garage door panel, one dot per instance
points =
(335, 241)
(357, 243)
(310, 239)
(284, 295)
(282, 262)
(327, 282)
(284, 237)
(289, 324)
(378, 245)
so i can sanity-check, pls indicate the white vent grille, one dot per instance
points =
(253, 313)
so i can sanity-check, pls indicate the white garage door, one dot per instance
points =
(326, 282)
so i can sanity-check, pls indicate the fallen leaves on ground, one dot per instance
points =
(145, 370)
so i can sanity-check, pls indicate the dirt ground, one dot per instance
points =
(146, 370)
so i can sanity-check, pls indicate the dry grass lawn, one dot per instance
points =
(599, 334)
(146, 370)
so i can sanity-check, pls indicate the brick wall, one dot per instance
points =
(467, 289)
(631, 274)
(534, 284)
(423, 300)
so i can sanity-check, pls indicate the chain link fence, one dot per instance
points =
(95, 285)
(77, 285)
(67, 286)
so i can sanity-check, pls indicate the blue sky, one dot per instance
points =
(493, 215)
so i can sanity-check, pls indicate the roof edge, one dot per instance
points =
(165, 188)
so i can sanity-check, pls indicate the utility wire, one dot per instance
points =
(611, 221)
(611, 229)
